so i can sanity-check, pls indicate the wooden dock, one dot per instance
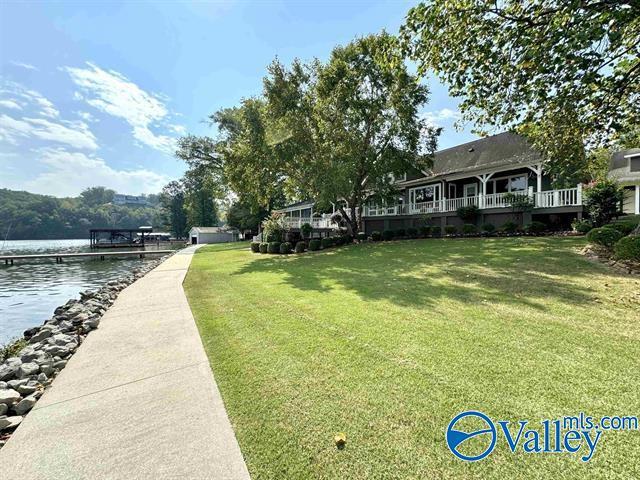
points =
(8, 259)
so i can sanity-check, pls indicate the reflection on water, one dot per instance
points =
(30, 292)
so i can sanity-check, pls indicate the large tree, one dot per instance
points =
(567, 70)
(172, 200)
(96, 196)
(337, 130)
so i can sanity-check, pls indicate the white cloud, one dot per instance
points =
(74, 134)
(10, 104)
(435, 118)
(179, 129)
(68, 173)
(28, 66)
(87, 117)
(43, 105)
(114, 94)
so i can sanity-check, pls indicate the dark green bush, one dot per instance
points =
(412, 232)
(314, 245)
(338, 240)
(425, 231)
(469, 229)
(436, 231)
(450, 229)
(582, 226)
(376, 236)
(604, 236)
(535, 228)
(306, 230)
(300, 247)
(387, 235)
(362, 237)
(255, 247)
(509, 227)
(264, 247)
(347, 239)
(274, 247)
(327, 242)
(488, 227)
(625, 228)
(468, 214)
(399, 233)
(285, 248)
(627, 248)
(602, 200)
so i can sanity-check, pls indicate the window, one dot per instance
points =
(634, 164)
(429, 193)
(517, 183)
(452, 190)
(470, 190)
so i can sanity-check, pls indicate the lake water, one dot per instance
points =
(30, 291)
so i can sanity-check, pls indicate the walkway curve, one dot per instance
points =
(137, 401)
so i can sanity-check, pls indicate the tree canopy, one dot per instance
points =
(563, 69)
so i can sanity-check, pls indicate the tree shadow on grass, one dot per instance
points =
(421, 272)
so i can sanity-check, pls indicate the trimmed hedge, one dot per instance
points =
(604, 236)
(509, 227)
(436, 231)
(362, 237)
(625, 228)
(376, 236)
(469, 229)
(255, 247)
(450, 229)
(488, 227)
(412, 232)
(582, 226)
(535, 227)
(285, 248)
(264, 247)
(400, 232)
(314, 245)
(274, 247)
(387, 235)
(627, 248)
(327, 242)
(300, 247)
(425, 231)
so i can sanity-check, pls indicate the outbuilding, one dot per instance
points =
(198, 235)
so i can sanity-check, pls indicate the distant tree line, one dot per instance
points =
(25, 215)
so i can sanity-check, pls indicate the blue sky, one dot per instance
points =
(97, 93)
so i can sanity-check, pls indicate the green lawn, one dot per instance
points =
(387, 342)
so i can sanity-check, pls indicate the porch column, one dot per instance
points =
(537, 169)
(484, 178)
(579, 194)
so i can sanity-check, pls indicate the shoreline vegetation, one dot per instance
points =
(29, 364)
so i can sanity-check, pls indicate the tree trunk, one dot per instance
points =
(351, 224)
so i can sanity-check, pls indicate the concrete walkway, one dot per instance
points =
(137, 401)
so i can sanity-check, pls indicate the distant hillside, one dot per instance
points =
(29, 216)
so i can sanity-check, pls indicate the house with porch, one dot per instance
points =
(624, 168)
(484, 173)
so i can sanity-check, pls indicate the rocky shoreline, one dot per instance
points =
(25, 376)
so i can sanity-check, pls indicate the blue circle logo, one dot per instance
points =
(457, 438)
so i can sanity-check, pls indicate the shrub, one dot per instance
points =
(274, 247)
(274, 227)
(450, 229)
(412, 232)
(581, 226)
(535, 228)
(604, 236)
(255, 247)
(627, 248)
(336, 240)
(285, 248)
(376, 236)
(469, 229)
(435, 231)
(347, 239)
(300, 247)
(306, 230)
(509, 227)
(468, 214)
(625, 228)
(264, 247)
(387, 235)
(327, 242)
(488, 227)
(314, 245)
(400, 232)
(425, 231)
(362, 237)
(602, 200)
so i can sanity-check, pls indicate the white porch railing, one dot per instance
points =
(297, 222)
(552, 198)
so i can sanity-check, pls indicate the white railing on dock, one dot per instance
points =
(566, 197)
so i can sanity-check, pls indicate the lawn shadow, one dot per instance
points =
(420, 272)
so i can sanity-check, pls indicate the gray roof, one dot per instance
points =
(497, 151)
(619, 167)
(304, 203)
(213, 230)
